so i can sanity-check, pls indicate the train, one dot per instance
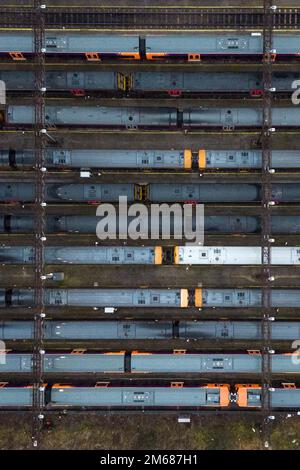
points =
(158, 255)
(152, 192)
(284, 224)
(133, 118)
(84, 255)
(142, 83)
(145, 330)
(94, 46)
(158, 298)
(136, 362)
(174, 396)
(154, 159)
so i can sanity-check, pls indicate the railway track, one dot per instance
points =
(151, 18)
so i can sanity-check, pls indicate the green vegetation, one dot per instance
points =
(147, 432)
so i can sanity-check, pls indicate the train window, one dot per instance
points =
(212, 398)
(115, 258)
(129, 255)
(130, 118)
(241, 295)
(227, 297)
(228, 111)
(141, 301)
(203, 254)
(155, 298)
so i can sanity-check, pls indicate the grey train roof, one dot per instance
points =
(158, 159)
(70, 42)
(152, 117)
(14, 330)
(149, 81)
(220, 43)
(279, 398)
(80, 255)
(249, 297)
(100, 297)
(135, 396)
(95, 116)
(101, 158)
(69, 192)
(55, 363)
(157, 192)
(191, 255)
(212, 224)
(205, 363)
(251, 158)
(149, 363)
(239, 117)
(15, 397)
(89, 330)
(153, 297)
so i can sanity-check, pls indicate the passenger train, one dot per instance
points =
(149, 363)
(159, 298)
(95, 46)
(174, 396)
(132, 118)
(173, 84)
(209, 192)
(191, 255)
(145, 330)
(154, 159)
(212, 224)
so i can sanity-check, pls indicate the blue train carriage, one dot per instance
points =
(194, 47)
(174, 396)
(127, 330)
(94, 46)
(250, 396)
(12, 397)
(111, 362)
(84, 255)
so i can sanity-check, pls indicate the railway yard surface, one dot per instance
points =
(187, 104)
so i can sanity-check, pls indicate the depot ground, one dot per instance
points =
(149, 433)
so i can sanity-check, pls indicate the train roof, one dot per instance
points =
(140, 396)
(15, 397)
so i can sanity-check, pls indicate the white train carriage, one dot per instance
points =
(234, 255)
